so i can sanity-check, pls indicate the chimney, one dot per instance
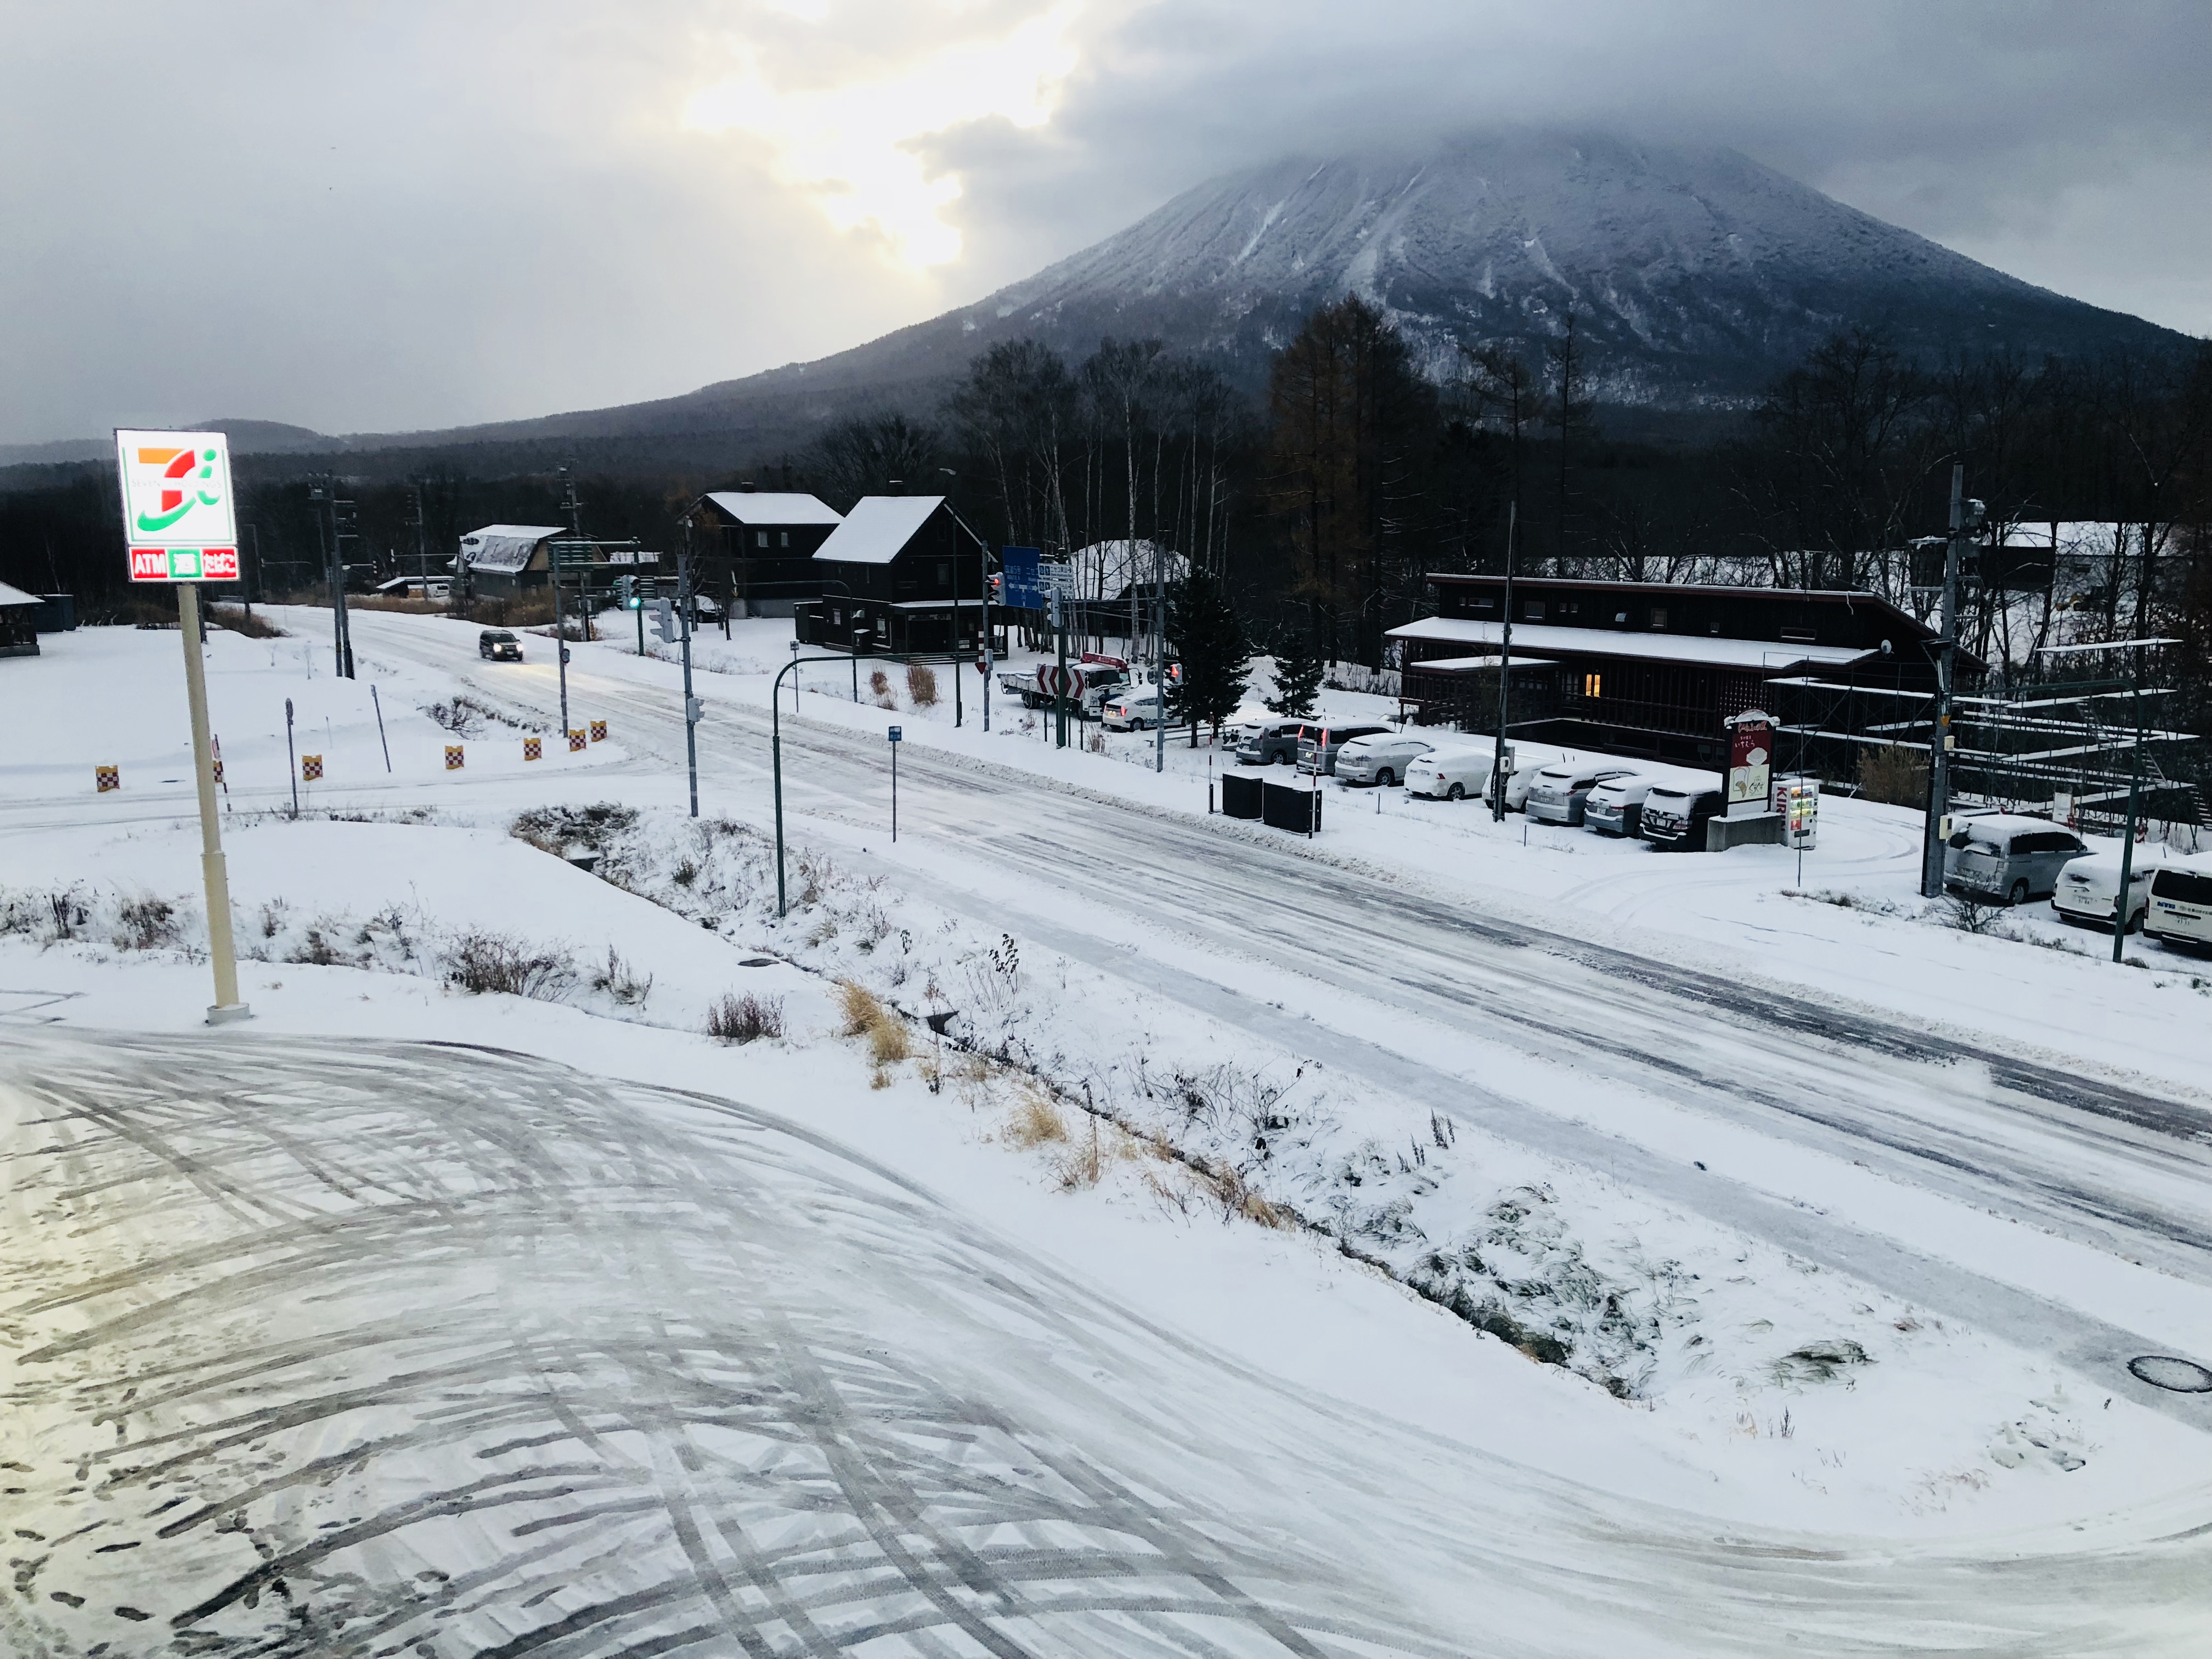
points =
(747, 486)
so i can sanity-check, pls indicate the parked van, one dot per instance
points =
(2180, 910)
(1675, 816)
(1318, 744)
(1616, 807)
(1270, 742)
(2009, 859)
(2088, 888)
(1559, 794)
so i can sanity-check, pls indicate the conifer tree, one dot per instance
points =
(1299, 670)
(1203, 623)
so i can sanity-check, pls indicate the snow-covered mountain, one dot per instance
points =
(1696, 274)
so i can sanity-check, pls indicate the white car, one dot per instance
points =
(1382, 759)
(1615, 807)
(1135, 710)
(2089, 887)
(1450, 774)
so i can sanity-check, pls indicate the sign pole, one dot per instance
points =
(221, 950)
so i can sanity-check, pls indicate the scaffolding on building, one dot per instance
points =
(2068, 747)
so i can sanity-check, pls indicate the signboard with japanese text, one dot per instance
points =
(1751, 751)
(179, 521)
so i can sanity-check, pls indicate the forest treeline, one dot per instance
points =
(1323, 508)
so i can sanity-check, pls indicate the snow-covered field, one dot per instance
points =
(1698, 1205)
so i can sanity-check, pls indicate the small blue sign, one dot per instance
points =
(1021, 589)
(898, 735)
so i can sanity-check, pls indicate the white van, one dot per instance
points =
(2087, 887)
(2181, 901)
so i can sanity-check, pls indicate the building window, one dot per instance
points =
(1593, 685)
(1798, 635)
(1536, 612)
(760, 538)
(1658, 616)
(945, 572)
(1485, 605)
(783, 538)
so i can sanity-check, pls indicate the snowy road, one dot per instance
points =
(370, 1348)
(2120, 1168)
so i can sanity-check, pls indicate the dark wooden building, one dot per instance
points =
(755, 548)
(19, 621)
(502, 561)
(1647, 668)
(902, 575)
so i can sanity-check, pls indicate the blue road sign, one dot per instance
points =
(897, 736)
(1020, 589)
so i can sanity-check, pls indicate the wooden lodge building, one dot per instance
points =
(755, 548)
(503, 560)
(902, 575)
(1648, 668)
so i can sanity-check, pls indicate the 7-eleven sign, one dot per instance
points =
(177, 512)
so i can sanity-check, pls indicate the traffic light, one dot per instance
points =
(664, 621)
(626, 593)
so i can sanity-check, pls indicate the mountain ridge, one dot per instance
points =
(1695, 274)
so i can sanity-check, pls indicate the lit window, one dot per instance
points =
(1593, 685)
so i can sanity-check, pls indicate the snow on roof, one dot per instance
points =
(877, 529)
(1668, 647)
(12, 597)
(1468, 664)
(505, 549)
(750, 507)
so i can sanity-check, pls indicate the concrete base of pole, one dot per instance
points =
(225, 1013)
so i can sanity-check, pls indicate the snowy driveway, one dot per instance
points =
(319, 1347)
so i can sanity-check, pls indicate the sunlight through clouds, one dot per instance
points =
(853, 145)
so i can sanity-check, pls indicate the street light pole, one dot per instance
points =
(776, 763)
(690, 703)
(1497, 778)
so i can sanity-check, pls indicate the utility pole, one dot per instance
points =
(691, 709)
(1160, 653)
(1498, 779)
(422, 546)
(2127, 831)
(575, 508)
(1965, 518)
(215, 875)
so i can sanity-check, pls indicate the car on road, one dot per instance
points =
(1270, 742)
(1675, 816)
(498, 645)
(1450, 774)
(1557, 794)
(2181, 902)
(1320, 746)
(1380, 759)
(2088, 888)
(1615, 807)
(2007, 857)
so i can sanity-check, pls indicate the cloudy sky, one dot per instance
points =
(375, 216)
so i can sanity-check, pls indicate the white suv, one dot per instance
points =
(1382, 759)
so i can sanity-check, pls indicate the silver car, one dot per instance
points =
(2006, 859)
(1380, 759)
(1319, 746)
(1559, 794)
(1616, 808)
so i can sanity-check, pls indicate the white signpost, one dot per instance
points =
(180, 527)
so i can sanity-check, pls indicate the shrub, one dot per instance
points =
(880, 682)
(745, 1019)
(888, 1043)
(619, 979)
(1970, 914)
(479, 962)
(921, 684)
(1035, 1120)
(1898, 776)
(148, 924)
(859, 1006)
(239, 620)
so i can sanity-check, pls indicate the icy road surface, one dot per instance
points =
(1855, 1140)
(354, 1348)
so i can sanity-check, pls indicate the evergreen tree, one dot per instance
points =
(1298, 670)
(1204, 625)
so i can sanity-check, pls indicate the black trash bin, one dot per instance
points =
(1240, 796)
(1286, 806)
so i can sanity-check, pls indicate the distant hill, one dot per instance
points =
(246, 438)
(1696, 274)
